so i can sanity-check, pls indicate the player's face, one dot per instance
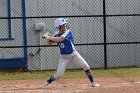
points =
(63, 27)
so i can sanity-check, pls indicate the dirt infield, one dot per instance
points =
(73, 85)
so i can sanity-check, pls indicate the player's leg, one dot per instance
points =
(60, 70)
(79, 61)
(63, 63)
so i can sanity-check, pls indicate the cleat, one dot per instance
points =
(95, 85)
(46, 84)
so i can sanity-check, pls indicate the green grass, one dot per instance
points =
(106, 73)
(20, 75)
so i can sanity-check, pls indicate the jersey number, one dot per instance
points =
(61, 45)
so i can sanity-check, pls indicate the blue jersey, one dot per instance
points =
(66, 46)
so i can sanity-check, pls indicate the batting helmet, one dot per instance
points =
(59, 21)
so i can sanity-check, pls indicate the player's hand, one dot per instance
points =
(47, 35)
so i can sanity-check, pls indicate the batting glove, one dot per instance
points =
(47, 35)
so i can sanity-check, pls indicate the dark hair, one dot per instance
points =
(66, 27)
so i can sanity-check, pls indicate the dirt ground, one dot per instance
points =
(73, 85)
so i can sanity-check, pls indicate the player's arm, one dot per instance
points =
(53, 38)
(49, 42)
(61, 38)
(56, 39)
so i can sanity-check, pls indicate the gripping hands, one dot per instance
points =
(47, 35)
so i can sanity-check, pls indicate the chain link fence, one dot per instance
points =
(106, 32)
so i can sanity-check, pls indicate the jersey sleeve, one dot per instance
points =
(67, 34)
(54, 35)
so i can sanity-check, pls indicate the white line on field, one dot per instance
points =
(137, 82)
(122, 84)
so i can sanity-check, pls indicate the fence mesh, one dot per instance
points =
(117, 38)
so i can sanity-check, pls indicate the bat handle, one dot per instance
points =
(43, 37)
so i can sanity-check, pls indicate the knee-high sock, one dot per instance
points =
(89, 75)
(51, 79)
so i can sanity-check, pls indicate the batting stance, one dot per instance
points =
(65, 41)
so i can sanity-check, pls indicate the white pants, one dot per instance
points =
(74, 58)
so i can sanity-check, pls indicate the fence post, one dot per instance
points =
(24, 34)
(104, 28)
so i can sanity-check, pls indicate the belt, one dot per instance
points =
(65, 53)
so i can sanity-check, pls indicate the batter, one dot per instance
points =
(65, 40)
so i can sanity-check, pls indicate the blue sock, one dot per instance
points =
(51, 79)
(89, 75)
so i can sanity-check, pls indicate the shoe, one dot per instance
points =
(95, 84)
(46, 84)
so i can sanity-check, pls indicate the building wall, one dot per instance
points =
(85, 29)
(90, 30)
(16, 30)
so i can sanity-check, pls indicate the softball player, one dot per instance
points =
(65, 41)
